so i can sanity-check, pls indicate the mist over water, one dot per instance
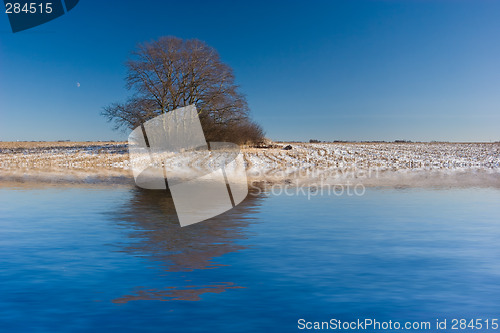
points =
(80, 258)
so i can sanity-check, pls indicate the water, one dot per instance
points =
(102, 259)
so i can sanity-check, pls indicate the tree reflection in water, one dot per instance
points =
(157, 234)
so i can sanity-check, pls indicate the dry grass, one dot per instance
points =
(55, 144)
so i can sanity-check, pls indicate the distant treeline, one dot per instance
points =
(370, 141)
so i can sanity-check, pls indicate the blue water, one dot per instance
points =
(82, 259)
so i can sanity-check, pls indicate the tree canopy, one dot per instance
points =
(170, 73)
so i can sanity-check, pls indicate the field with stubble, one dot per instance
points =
(374, 164)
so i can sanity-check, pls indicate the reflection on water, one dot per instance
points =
(187, 293)
(157, 235)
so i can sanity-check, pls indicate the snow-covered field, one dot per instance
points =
(373, 164)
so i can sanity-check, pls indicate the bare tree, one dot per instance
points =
(169, 73)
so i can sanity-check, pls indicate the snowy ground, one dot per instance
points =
(370, 164)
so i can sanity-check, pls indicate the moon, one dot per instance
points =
(78, 84)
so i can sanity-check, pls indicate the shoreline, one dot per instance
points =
(327, 164)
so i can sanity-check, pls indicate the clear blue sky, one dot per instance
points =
(346, 70)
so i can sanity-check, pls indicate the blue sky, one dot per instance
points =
(327, 70)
